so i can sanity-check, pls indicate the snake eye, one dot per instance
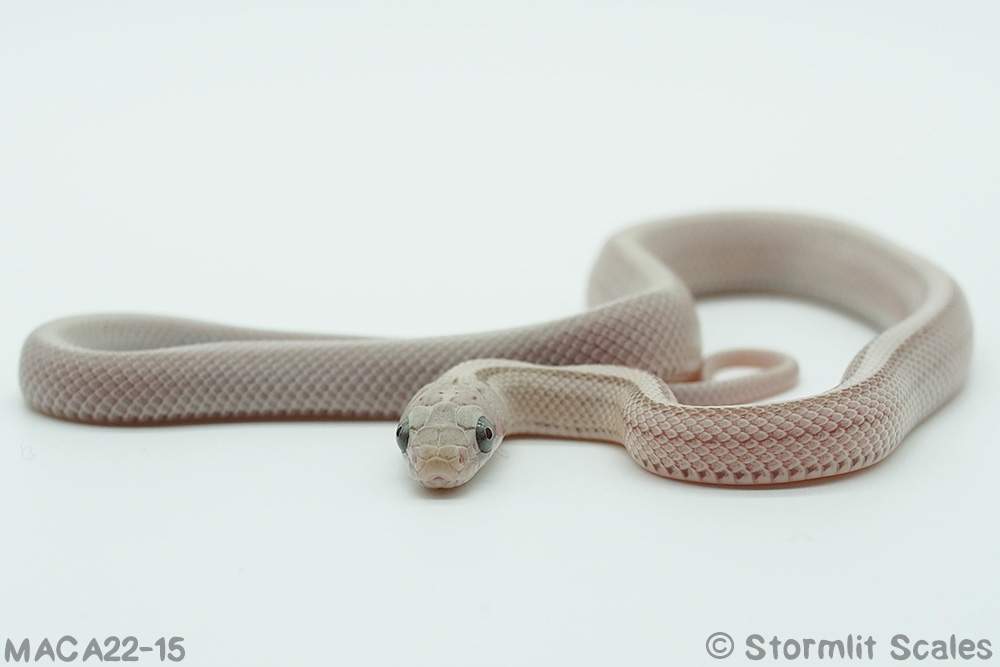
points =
(485, 432)
(403, 435)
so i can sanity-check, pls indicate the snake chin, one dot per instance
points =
(451, 429)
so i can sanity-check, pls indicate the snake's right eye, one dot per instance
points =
(403, 435)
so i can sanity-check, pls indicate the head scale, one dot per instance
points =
(449, 430)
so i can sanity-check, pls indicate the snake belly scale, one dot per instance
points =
(628, 370)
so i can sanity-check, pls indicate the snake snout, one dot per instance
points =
(440, 466)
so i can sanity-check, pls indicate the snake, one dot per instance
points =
(629, 369)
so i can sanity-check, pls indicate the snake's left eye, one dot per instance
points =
(485, 433)
(403, 435)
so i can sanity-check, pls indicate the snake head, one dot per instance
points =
(449, 430)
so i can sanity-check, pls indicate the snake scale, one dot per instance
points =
(628, 370)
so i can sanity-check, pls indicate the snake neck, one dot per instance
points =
(580, 402)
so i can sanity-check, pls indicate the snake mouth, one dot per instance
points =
(439, 473)
(440, 482)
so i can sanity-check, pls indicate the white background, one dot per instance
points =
(442, 169)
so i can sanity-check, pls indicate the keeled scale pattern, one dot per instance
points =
(846, 429)
(128, 369)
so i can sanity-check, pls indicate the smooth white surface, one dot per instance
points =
(249, 164)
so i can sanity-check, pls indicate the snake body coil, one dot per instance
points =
(628, 370)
